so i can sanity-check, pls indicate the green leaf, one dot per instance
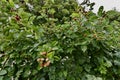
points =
(84, 43)
(99, 78)
(1, 77)
(11, 3)
(3, 72)
(19, 73)
(27, 73)
(42, 79)
(65, 11)
(84, 48)
(87, 67)
(74, 15)
(117, 62)
(51, 11)
(108, 64)
(91, 77)
(4, 0)
(51, 56)
(52, 1)
(100, 11)
(55, 48)
(56, 58)
(65, 73)
(26, 1)
(103, 70)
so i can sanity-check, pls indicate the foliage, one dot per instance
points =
(57, 40)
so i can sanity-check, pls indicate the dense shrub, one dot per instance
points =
(57, 40)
